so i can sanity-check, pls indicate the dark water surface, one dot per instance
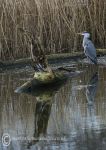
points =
(71, 117)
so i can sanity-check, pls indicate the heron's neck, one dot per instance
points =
(84, 40)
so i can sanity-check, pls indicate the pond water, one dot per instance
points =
(69, 117)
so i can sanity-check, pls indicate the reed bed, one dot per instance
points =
(55, 22)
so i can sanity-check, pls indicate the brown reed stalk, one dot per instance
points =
(55, 22)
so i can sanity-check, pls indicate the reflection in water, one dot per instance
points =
(60, 113)
(92, 121)
(44, 96)
(92, 88)
(42, 114)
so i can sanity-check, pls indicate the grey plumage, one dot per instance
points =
(89, 48)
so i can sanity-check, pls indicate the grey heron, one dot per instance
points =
(89, 48)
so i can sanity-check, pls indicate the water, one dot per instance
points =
(69, 117)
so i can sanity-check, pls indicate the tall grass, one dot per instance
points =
(55, 22)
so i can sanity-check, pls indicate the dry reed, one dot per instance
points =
(55, 22)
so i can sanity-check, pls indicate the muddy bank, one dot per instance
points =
(53, 58)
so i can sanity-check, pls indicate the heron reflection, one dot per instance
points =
(92, 121)
(92, 88)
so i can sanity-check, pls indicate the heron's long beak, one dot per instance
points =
(79, 33)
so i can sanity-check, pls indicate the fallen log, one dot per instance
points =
(43, 81)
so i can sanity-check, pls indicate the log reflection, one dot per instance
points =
(44, 97)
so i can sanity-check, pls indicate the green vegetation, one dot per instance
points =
(55, 22)
(44, 80)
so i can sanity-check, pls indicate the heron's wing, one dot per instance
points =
(90, 51)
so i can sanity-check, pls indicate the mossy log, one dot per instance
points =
(43, 81)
